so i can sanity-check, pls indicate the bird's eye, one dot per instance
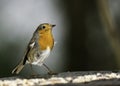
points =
(43, 27)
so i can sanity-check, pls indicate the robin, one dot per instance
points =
(38, 48)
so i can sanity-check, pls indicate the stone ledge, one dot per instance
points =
(86, 78)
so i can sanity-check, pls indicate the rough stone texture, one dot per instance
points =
(87, 78)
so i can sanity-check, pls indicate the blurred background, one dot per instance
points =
(86, 34)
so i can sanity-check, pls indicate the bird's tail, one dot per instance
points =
(18, 68)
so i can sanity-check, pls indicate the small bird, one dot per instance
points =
(38, 48)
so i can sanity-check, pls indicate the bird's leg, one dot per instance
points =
(33, 72)
(49, 70)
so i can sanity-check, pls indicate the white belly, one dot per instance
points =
(43, 54)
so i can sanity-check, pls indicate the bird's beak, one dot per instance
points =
(53, 25)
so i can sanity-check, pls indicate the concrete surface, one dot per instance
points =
(84, 78)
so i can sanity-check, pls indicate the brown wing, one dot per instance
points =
(31, 44)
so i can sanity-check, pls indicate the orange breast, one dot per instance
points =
(46, 40)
